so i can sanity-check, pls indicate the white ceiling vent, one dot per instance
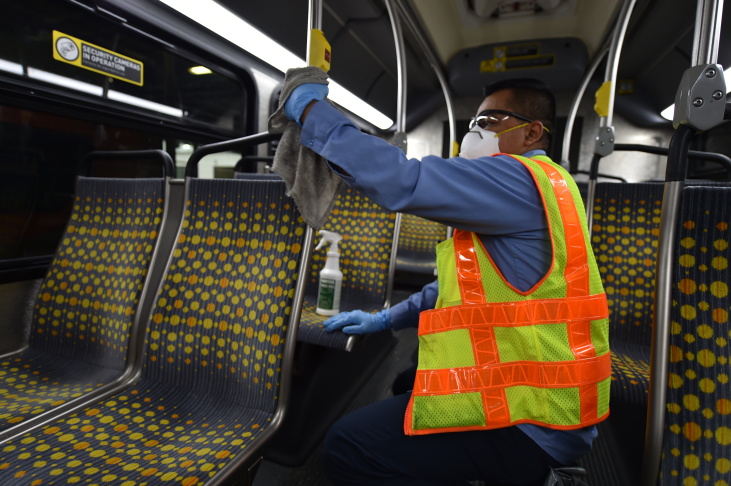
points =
(503, 9)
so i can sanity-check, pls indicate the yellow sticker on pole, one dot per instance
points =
(601, 105)
(85, 55)
(320, 52)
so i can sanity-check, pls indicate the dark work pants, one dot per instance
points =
(368, 447)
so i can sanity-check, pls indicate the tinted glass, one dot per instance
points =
(26, 53)
(53, 113)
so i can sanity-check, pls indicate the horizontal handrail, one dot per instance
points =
(607, 176)
(191, 168)
(692, 154)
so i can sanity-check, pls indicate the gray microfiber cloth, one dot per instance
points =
(309, 179)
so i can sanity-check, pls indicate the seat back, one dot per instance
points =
(368, 232)
(417, 242)
(624, 236)
(223, 312)
(87, 302)
(697, 433)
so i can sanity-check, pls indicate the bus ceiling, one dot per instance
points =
(550, 39)
(474, 42)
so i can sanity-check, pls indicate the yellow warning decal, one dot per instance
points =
(601, 104)
(518, 56)
(85, 55)
(320, 50)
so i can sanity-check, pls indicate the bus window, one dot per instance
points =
(187, 90)
(53, 112)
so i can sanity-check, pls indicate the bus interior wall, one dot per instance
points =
(52, 113)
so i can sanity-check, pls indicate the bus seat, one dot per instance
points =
(88, 303)
(368, 232)
(624, 236)
(417, 242)
(211, 383)
(697, 433)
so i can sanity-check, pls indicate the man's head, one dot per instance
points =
(521, 112)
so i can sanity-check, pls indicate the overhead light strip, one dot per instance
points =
(52, 78)
(11, 67)
(92, 89)
(223, 22)
(142, 103)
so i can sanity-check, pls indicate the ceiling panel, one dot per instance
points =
(656, 51)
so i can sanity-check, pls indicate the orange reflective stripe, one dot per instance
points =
(521, 313)
(577, 268)
(576, 275)
(468, 269)
(579, 334)
(484, 346)
(551, 374)
(495, 404)
(575, 309)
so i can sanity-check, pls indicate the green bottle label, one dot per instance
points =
(326, 296)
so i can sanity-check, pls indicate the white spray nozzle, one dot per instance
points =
(329, 236)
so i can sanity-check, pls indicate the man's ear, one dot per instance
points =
(534, 133)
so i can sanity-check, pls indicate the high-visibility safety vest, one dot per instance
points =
(491, 356)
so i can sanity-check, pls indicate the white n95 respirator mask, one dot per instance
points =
(479, 142)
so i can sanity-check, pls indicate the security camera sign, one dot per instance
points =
(85, 55)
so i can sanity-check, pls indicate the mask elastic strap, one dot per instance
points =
(510, 129)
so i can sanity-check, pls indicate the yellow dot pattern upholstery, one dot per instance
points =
(697, 439)
(210, 379)
(625, 234)
(365, 255)
(86, 305)
(417, 243)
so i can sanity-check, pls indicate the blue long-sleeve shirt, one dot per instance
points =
(495, 197)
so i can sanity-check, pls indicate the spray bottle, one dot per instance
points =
(331, 278)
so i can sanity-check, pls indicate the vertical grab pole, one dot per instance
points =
(314, 21)
(707, 31)
(604, 106)
(399, 138)
(591, 186)
(615, 48)
(318, 49)
(426, 48)
(657, 392)
(431, 57)
(699, 105)
(398, 39)
(571, 118)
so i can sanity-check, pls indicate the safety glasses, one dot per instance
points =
(487, 117)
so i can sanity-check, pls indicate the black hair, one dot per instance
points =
(529, 97)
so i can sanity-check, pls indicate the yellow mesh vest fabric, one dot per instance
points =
(454, 349)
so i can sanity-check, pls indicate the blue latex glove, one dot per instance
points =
(359, 322)
(301, 97)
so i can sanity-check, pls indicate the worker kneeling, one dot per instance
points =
(513, 369)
